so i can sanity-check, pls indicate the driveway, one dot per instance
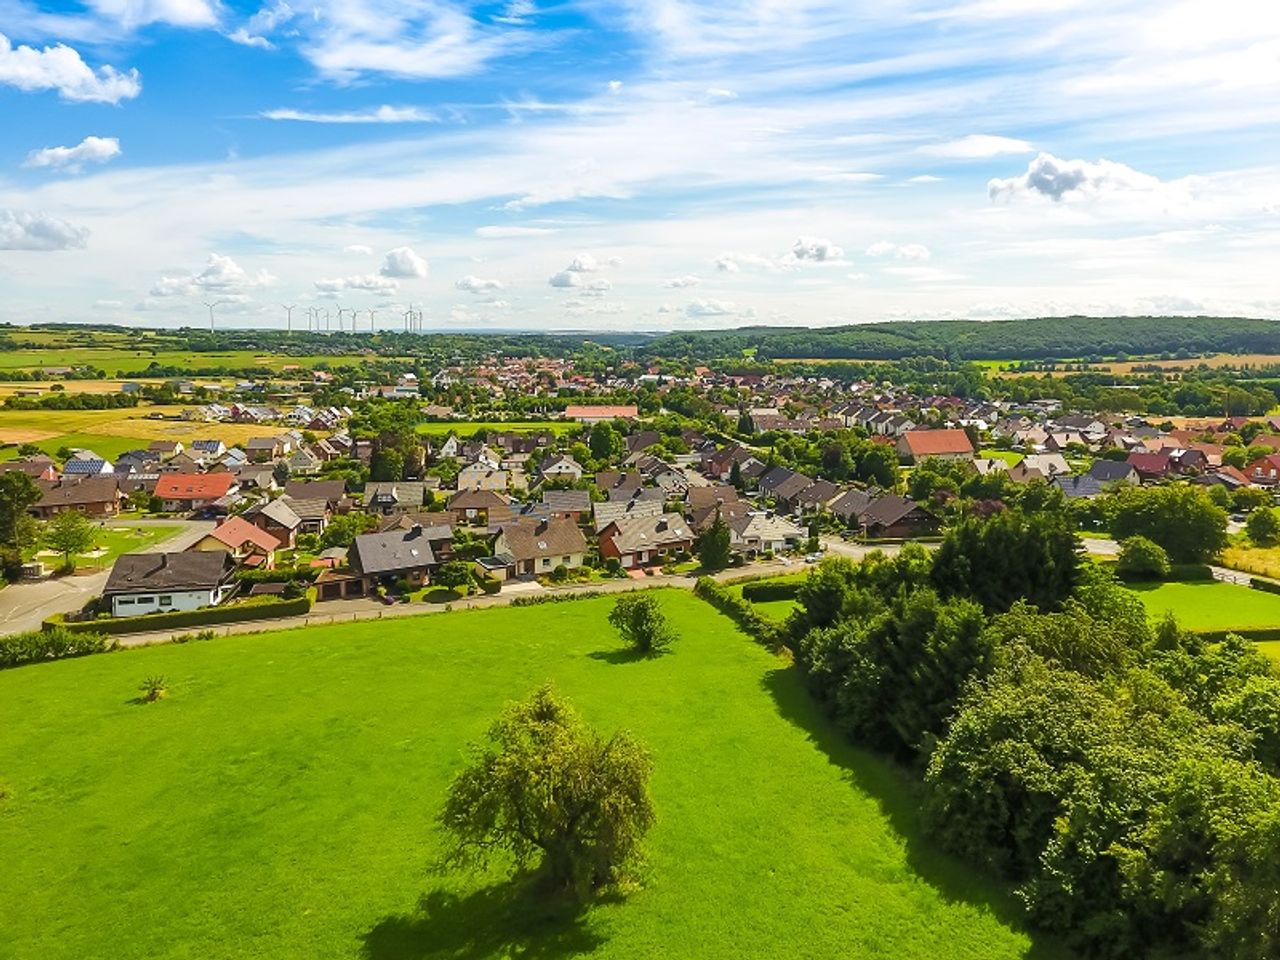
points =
(24, 606)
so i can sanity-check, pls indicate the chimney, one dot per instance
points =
(662, 524)
(414, 531)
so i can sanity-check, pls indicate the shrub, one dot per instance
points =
(763, 591)
(269, 608)
(1263, 526)
(1143, 559)
(153, 688)
(490, 585)
(560, 574)
(56, 643)
(11, 563)
(613, 566)
(641, 623)
(740, 611)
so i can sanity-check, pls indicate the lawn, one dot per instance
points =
(1011, 457)
(466, 428)
(280, 803)
(1211, 605)
(1271, 650)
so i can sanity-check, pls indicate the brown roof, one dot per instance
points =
(932, 443)
(534, 539)
(77, 493)
(235, 532)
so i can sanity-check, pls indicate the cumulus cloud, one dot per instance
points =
(905, 251)
(255, 30)
(1070, 180)
(221, 276)
(73, 159)
(382, 114)
(583, 263)
(366, 283)
(564, 279)
(978, 146)
(474, 284)
(815, 249)
(403, 263)
(710, 308)
(61, 68)
(736, 262)
(679, 283)
(20, 230)
(132, 14)
(572, 275)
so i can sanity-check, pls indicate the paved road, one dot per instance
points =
(346, 611)
(24, 606)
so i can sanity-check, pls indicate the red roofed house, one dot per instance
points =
(1152, 466)
(248, 544)
(1265, 471)
(194, 491)
(917, 445)
(596, 414)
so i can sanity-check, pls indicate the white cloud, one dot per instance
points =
(978, 146)
(255, 30)
(402, 262)
(720, 93)
(246, 39)
(38, 231)
(509, 233)
(73, 159)
(367, 283)
(815, 249)
(474, 284)
(517, 12)
(583, 263)
(1059, 180)
(60, 68)
(564, 279)
(924, 178)
(221, 276)
(710, 308)
(131, 14)
(905, 251)
(382, 114)
(735, 262)
(358, 249)
(615, 86)
(679, 283)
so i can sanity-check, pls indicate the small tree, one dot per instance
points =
(713, 546)
(556, 796)
(1142, 559)
(71, 533)
(455, 575)
(1263, 526)
(641, 624)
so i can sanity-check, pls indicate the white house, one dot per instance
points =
(161, 582)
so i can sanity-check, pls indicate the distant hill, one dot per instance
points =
(1038, 339)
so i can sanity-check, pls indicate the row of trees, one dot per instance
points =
(1123, 777)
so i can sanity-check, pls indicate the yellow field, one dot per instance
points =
(1262, 561)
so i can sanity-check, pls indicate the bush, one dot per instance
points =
(55, 643)
(1142, 559)
(153, 688)
(1267, 586)
(763, 591)
(490, 585)
(613, 566)
(641, 623)
(11, 563)
(268, 609)
(740, 611)
(560, 574)
(1263, 526)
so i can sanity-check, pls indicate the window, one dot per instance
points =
(166, 601)
(565, 560)
(124, 601)
(546, 561)
(146, 601)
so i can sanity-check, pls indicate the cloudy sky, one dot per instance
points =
(637, 164)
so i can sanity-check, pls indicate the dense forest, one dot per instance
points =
(1045, 338)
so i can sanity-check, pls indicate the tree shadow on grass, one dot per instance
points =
(899, 800)
(508, 919)
(624, 655)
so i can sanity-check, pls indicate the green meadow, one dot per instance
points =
(281, 802)
(1211, 604)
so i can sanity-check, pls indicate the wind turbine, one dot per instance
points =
(371, 313)
(215, 303)
(288, 312)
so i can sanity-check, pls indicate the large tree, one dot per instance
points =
(554, 795)
(1180, 517)
(17, 493)
(713, 546)
(71, 533)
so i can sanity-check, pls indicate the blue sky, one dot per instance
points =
(638, 164)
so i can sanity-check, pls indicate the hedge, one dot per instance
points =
(57, 643)
(1257, 634)
(490, 585)
(763, 591)
(279, 575)
(1266, 586)
(1190, 571)
(740, 611)
(566, 597)
(232, 613)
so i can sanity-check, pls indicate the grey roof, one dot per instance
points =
(1076, 487)
(888, 510)
(529, 539)
(409, 493)
(280, 512)
(331, 490)
(851, 503)
(147, 572)
(567, 501)
(391, 552)
(1110, 471)
(604, 514)
(307, 509)
(650, 533)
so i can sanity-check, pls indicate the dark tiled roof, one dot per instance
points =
(143, 572)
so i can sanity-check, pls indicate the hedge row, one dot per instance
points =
(280, 575)
(1266, 586)
(763, 591)
(1257, 634)
(233, 613)
(534, 599)
(36, 646)
(740, 611)
(1190, 571)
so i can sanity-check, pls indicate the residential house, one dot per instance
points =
(603, 514)
(534, 547)
(266, 449)
(248, 544)
(93, 496)
(638, 541)
(333, 492)
(560, 466)
(759, 532)
(479, 506)
(1114, 471)
(163, 582)
(918, 445)
(315, 514)
(573, 504)
(303, 462)
(624, 483)
(850, 506)
(195, 492)
(37, 468)
(893, 516)
(482, 476)
(384, 558)
(1152, 466)
(398, 496)
(165, 449)
(279, 520)
(86, 463)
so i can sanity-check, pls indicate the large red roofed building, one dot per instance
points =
(194, 491)
(590, 414)
(917, 445)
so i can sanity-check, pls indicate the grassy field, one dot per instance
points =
(1271, 649)
(1263, 561)
(773, 609)
(115, 540)
(1211, 605)
(117, 361)
(466, 428)
(280, 803)
(111, 432)
(1010, 457)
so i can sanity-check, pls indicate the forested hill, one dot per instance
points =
(1045, 338)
